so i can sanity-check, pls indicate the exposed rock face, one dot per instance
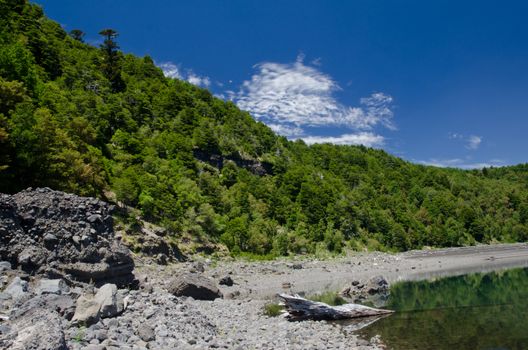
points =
(256, 167)
(194, 285)
(53, 233)
(153, 244)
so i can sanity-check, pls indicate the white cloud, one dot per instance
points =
(378, 110)
(473, 142)
(304, 96)
(287, 130)
(198, 80)
(461, 163)
(171, 70)
(363, 138)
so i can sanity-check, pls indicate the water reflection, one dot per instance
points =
(478, 311)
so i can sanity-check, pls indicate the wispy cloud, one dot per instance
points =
(362, 138)
(286, 130)
(317, 62)
(172, 70)
(472, 141)
(290, 97)
(198, 80)
(302, 95)
(461, 163)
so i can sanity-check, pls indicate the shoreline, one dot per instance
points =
(263, 280)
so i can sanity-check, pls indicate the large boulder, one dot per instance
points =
(17, 289)
(107, 302)
(86, 311)
(110, 301)
(194, 285)
(62, 235)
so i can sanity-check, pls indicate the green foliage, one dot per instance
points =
(111, 61)
(77, 34)
(80, 334)
(95, 121)
(17, 63)
(330, 298)
(272, 310)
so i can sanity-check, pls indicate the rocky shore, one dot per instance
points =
(67, 282)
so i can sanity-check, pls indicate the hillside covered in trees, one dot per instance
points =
(95, 121)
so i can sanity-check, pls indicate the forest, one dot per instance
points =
(96, 121)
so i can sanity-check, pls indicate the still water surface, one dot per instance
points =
(477, 311)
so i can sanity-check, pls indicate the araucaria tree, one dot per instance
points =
(112, 60)
(77, 34)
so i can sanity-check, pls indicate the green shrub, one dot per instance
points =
(272, 310)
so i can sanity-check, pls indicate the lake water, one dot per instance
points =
(477, 311)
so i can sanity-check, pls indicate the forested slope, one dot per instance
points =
(95, 121)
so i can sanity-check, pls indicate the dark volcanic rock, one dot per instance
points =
(54, 233)
(226, 281)
(63, 305)
(194, 285)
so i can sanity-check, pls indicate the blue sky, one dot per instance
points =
(435, 82)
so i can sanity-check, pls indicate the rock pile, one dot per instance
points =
(56, 234)
(40, 318)
(375, 290)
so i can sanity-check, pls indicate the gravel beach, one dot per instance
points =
(240, 323)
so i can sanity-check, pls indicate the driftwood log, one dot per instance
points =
(299, 308)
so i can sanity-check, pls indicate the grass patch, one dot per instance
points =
(254, 257)
(330, 298)
(272, 309)
(79, 336)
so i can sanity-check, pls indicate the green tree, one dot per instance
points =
(77, 34)
(4, 138)
(111, 66)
